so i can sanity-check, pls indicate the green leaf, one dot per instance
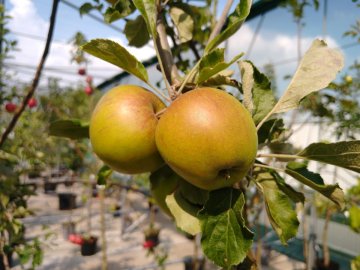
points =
(185, 214)
(222, 78)
(294, 195)
(163, 182)
(183, 22)
(72, 128)
(354, 218)
(355, 263)
(86, 8)
(148, 10)
(136, 32)
(317, 69)
(258, 96)
(184, 205)
(213, 63)
(271, 130)
(117, 55)
(342, 154)
(122, 9)
(235, 20)
(225, 238)
(103, 174)
(193, 194)
(279, 207)
(314, 180)
(4, 199)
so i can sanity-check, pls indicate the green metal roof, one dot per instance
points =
(295, 247)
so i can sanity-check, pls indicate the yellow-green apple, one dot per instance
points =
(122, 129)
(208, 138)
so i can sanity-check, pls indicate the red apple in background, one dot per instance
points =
(10, 107)
(88, 90)
(32, 102)
(82, 71)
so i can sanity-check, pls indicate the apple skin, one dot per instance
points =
(82, 71)
(10, 107)
(88, 90)
(207, 137)
(122, 129)
(32, 103)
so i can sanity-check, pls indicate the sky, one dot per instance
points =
(276, 41)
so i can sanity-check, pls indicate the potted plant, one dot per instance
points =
(67, 201)
(151, 234)
(49, 186)
(88, 245)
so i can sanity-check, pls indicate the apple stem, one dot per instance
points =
(157, 91)
(159, 113)
(191, 73)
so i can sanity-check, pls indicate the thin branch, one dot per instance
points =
(191, 73)
(166, 60)
(36, 79)
(221, 21)
(194, 50)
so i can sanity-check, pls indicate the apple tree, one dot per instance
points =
(211, 131)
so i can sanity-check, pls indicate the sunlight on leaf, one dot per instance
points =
(314, 180)
(317, 69)
(184, 23)
(147, 9)
(342, 154)
(279, 207)
(235, 20)
(117, 55)
(225, 238)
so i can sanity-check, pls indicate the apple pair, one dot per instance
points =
(206, 135)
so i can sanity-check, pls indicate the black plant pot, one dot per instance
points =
(319, 265)
(89, 246)
(152, 237)
(9, 257)
(189, 263)
(49, 187)
(67, 201)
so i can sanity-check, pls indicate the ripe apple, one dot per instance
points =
(208, 138)
(32, 102)
(82, 71)
(122, 129)
(88, 90)
(10, 107)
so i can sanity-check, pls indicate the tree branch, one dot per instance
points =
(36, 79)
(164, 49)
(220, 23)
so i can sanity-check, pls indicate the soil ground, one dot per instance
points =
(123, 251)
